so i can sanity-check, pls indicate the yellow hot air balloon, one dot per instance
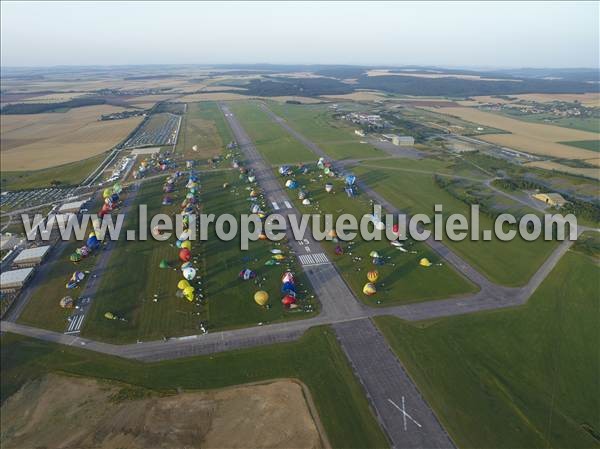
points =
(188, 292)
(261, 297)
(187, 244)
(106, 193)
(424, 262)
(278, 257)
(369, 289)
(91, 234)
(183, 284)
(373, 275)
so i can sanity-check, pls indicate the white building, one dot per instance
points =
(11, 281)
(73, 207)
(31, 257)
(8, 241)
(403, 141)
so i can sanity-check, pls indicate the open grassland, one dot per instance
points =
(213, 96)
(335, 137)
(592, 145)
(535, 138)
(591, 99)
(433, 75)
(525, 377)
(135, 288)
(316, 360)
(275, 144)
(401, 279)
(203, 126)
(68, 174)
(361, 95)
(36, 141)
(509, 263)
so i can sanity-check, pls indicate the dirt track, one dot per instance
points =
(63, 412)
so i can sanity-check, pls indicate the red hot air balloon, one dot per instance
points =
(185, 254)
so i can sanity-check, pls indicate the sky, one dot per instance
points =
(451, 34)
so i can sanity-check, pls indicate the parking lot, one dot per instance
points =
(159, 129)
(29, 198)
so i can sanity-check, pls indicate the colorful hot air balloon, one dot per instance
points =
(328, 187)
(424, 262)
(185, 254)
(183, 284)
(187, 245)
(369, 289)
(373, 275)
(261, 297)
(287, 300)
(189, 273)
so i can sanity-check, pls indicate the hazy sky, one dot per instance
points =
(512, 34)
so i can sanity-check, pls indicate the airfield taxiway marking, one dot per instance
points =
(404, 414)
(275, 205)
(287, 204)
(313, 259)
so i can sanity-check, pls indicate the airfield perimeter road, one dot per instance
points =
(342, 311)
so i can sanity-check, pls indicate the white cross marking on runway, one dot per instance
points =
(404, 414)
(275, 205)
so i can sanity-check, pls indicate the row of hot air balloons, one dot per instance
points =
(92, 244)
(157, 162)
(369, 288)
(75, 279)
(288, 289)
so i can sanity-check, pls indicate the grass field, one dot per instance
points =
(134, 278)
(401, 279)
(334, 137)
(203, 125)
(67, 174)
(535, 138)
(509, 263)
(36, 141)
(525, 377)
(316, 359)
(274, 143)
(592, 145)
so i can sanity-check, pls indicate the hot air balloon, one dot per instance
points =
(187, 245)
(350, 180)
(373, 275)
(369, 289)
(164, 264)
(262, 236)
(117, 188)
(67, 302)
(75, 257)
(288, 287)
(328, 187)
(182, 284)
(288, 300)
(424, 262)
(106, 193)
(306, 202)
(373, 254)
(189, 273)
(288, 276)
(339, 250)
(261, 297)
(110, 316)
(247, 274)
(185, 265)
(185, 254)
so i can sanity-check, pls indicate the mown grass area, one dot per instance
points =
(592, 145)
(335, 137)
(316, 359)
(134, 279)
(401, 278)
(508, 263)
(203, 125)
(274, 143)
(61, 175)
(525, 377)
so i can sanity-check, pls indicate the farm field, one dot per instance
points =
(316, 360)
(525, 377)
(592, 145)
(401, 279)
(37, 141)
(203, 125)
(508, 263)
(104, 416)
(593, 173)
(336, 138)
(134, 278)
(275, 144)
(538, 139)
(68, 174)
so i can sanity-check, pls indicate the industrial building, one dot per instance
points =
(8, 241)
(403, 141)
(12, 281)
(31, 257)
(551, 199)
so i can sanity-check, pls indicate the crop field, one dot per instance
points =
(158, 129)
(524, 377)
(336, 138)
(509, 263)
(401, 279)
(316, 360)
(592, 145)
(538, 139)
(68, 174)
(593, 173)
(203, 126)
(37, 141)
(136, 288)
(275, 144)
